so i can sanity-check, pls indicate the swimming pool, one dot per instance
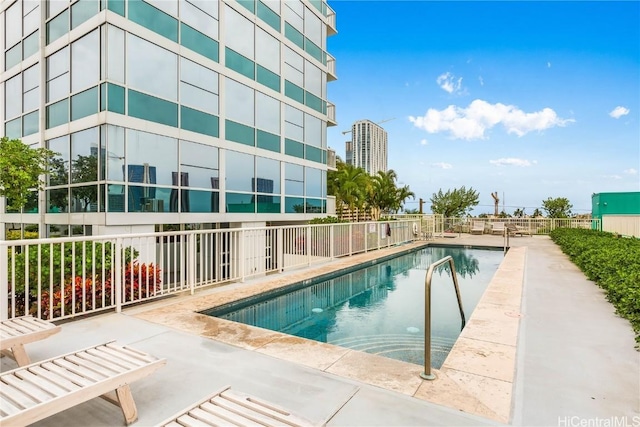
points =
(378, 309)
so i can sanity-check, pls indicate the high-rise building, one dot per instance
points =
(169, 111)
(368, 147)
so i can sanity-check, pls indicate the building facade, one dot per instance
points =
(368, 147)
(617, 212)
(169, 112)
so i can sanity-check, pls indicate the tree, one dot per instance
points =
(456, 202)
(537, 213)
(20, 169)
(519, 213)
(349, 185)
(557, 208)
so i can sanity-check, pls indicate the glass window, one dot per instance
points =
(240, 103)
(198, 18)
(31, 20)
(312, 27)
(154, 19)
(210, 7)
(294, 35)
(293, 148)
(58, 26)
(239, 33)
(239, 63)
(31, 81)
(13, 129)
(239, 169)
(268, 15)
(237, 132)
(13, 97)
(59, 165)
(267, 51)
(240, 203)
(312, 78)
(84, 199)
(13, 56)
(268, 141)
(267, 78)
(197, 121)
(115, 153)
(58, 113)
(198, 42)
(294, 123)
(312, 130)
(150, 108)
(159, 154)
(85, 103)
(58, 201)
(151, 68)
(293, 67)
(294, 205)
(267, 113)
(167, 6)
(55, 6)
(115, 198)
(198, 86)
(294, 13)
(272, 4)
(82, 10)
(30, 123)
(313, 182)
(115, 54)
(13, 25)
(267, 175)
(199, 163)
(85, 147)
(293, 179)
(30, 45)
(85, 62)
(58, 75)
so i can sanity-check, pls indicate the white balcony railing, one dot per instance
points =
(331, 114)
(331, 68)
(331, 22)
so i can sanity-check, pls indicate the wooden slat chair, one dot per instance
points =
(224, 408)
(36, 391)
(15, 333)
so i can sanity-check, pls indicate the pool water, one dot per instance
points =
(379, 309)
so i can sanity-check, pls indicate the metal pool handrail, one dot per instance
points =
(427, 375)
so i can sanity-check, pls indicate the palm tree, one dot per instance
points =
(349, 185)
(402, 194)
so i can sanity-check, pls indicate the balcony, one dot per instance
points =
(331, 68)
(331, 114)
(331, 22)
(331, 159)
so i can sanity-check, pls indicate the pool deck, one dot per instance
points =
(543, 347)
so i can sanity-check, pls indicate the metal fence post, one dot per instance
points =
(119, 272)
(191, 262)
(4, 281)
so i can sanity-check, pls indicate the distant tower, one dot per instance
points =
(368, 147)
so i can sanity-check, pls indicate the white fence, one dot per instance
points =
(627, 225)
(66, 277)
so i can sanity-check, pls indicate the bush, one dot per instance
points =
(140, 281)
(611, 262)
(327, 220)
(15, 235)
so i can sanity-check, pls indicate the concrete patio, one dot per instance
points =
(543, 347)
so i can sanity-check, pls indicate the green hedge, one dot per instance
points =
(613, 263)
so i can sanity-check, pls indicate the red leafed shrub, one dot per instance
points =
(139, 282)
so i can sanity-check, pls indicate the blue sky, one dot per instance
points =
(529, 99)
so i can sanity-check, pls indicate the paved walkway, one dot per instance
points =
(575, 363)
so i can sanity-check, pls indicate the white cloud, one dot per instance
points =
(423, 142)
(472, 122)
(548, 64)
(448, 82)
(631, 171)
(442, 165)
(618, 112)
(481, 80)
(612, 176)
(511, 162)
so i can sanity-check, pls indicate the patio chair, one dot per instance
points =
(15, 333)
(477, 227)
(523, 230)
(225, 407)
(498, 228)
(36, 391)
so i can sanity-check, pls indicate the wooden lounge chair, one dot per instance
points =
(36, 391)
(497, 228)
(15, 333)
(477, 227)
(523, 230)
(225, 407)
